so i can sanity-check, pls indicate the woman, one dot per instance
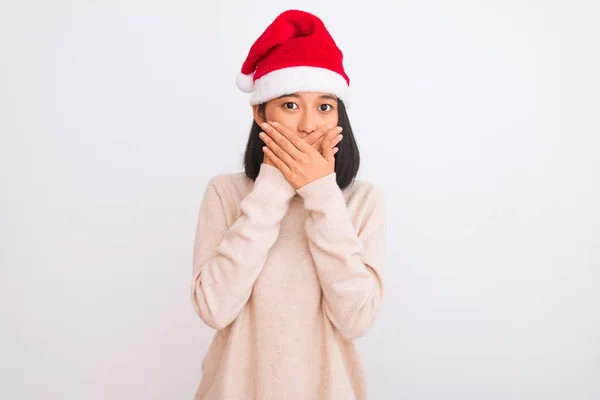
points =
(288, 253)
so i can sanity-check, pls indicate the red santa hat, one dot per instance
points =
(295, 53)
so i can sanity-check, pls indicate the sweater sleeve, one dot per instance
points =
(348, 259)
(227, 261)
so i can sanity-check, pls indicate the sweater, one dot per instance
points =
(288, 279)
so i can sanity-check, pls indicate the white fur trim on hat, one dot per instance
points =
(299, 79)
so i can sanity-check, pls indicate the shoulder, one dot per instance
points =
(365, 201)
(364, 191)
(230, 188)
(229, 181)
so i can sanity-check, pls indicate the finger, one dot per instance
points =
(331, 134)
(315, 136)
(275, 160)
(319, 134)
(275, 133)
(319, 143)
(281, 154)
(328, 144)
(298, 145)
(328, 152)
(336, 140)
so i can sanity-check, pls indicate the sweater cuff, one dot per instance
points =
(273, 177)
(320, 190)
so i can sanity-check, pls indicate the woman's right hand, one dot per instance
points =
(315, 139)
(267, 161)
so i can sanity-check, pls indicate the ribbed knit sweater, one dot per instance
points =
(288, 278)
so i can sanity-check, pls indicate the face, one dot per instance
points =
(301, 112)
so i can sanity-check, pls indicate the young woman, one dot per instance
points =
(288, 254)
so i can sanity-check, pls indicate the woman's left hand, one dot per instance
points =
(299, 162)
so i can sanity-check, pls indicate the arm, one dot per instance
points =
(227, 261)
(348, 260)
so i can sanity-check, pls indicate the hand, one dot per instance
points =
(300, 162)
(315, 139)
(267, 160)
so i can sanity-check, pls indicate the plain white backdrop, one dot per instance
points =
(480, 120)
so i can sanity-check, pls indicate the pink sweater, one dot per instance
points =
(288, 278)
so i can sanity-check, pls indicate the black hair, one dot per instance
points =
(347, 159)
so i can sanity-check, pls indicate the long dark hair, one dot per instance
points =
(347, 159)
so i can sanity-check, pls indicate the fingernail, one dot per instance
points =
(339, 129)
(275, 124)
(262, 134)
(264, 124)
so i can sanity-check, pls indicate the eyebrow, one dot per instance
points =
(323, 96)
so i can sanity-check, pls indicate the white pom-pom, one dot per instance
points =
(245, 82)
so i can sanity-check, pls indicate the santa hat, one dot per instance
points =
(295, 53)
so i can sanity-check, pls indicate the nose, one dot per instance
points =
(308, 122)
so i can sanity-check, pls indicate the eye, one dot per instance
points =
(290, 105)
(323, 107)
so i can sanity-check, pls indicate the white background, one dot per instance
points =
(480, 120)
